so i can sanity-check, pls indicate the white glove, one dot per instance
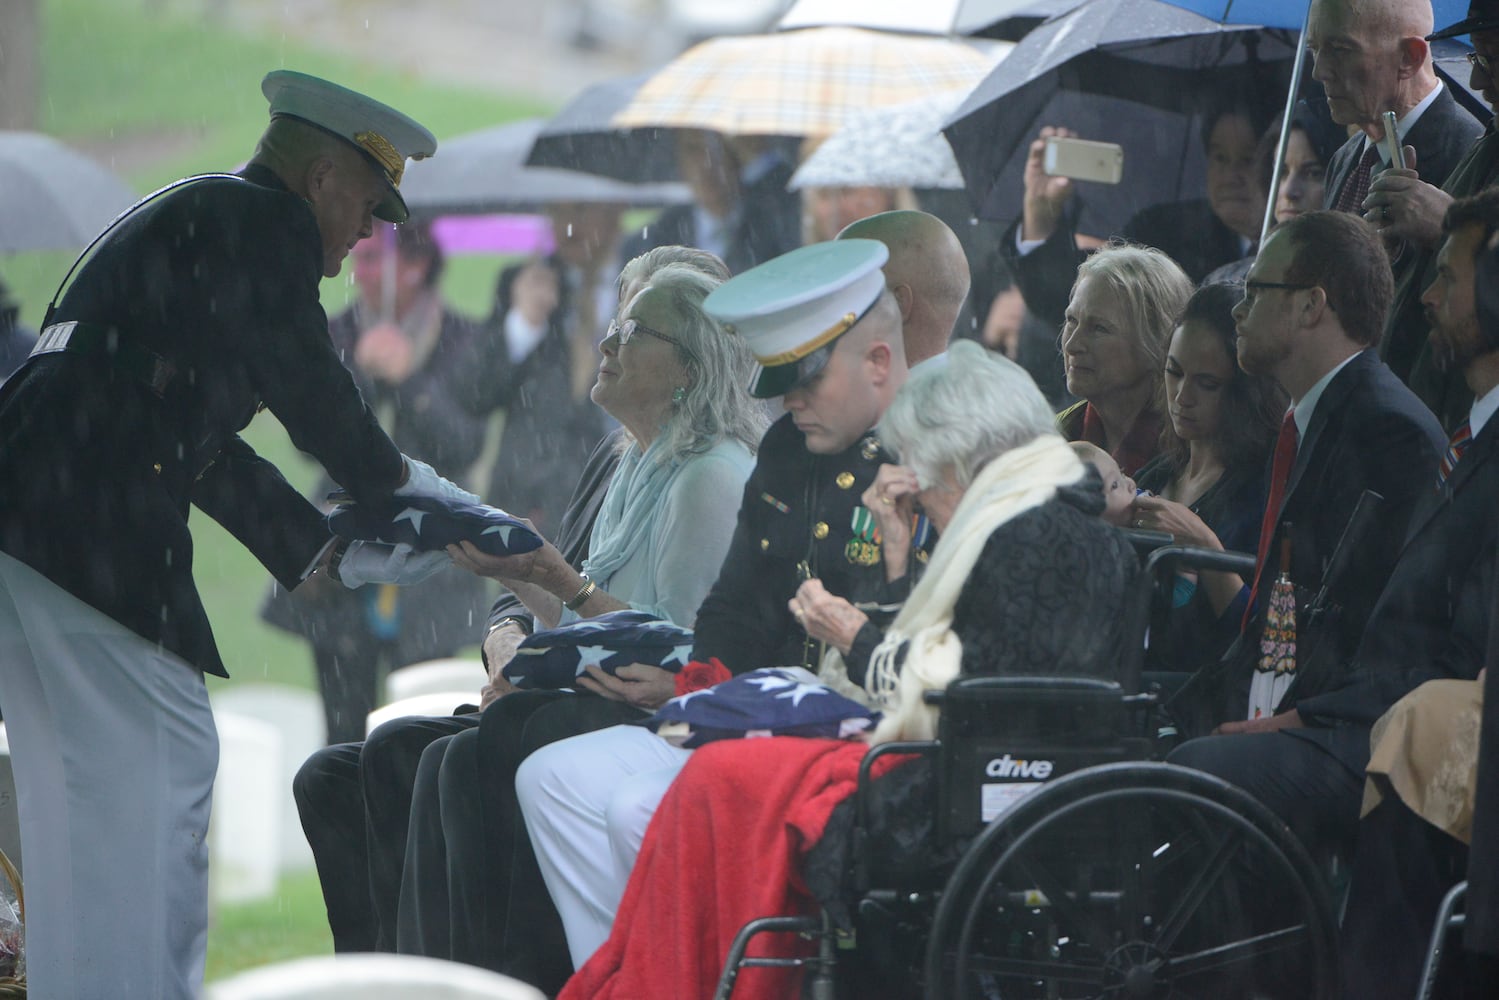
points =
(422, 481)
(382, 562)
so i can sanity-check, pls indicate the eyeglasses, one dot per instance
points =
(1253, 288)
(1484, 63)
(626, 331)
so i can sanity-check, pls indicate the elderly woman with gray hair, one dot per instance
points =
(1025, 579)
(676, 382)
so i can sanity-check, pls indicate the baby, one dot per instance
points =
(1118, 489)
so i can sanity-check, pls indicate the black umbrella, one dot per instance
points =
(1140, 73)
(579, 137)
(485, 171)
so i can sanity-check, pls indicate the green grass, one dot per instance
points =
(183, 93)
(290, 924)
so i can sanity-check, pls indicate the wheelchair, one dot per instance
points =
(1083, 867)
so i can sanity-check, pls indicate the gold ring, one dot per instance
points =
(885, 499)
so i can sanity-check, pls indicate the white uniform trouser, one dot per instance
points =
(587, 802)
(114, 752)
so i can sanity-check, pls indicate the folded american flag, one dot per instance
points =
(556, 657)
(431, 523)
(778, 701)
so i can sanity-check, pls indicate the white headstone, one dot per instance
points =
(243, 833)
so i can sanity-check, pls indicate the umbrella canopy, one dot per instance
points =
(485, 171)
(1140, 73)
(1291, 13)
(802, 83)
(898, 146)
(51, 196)
(933, 17)
(581, 137)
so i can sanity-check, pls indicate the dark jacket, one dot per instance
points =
(1367, 432)
(1441, 137)
(1187, 231)
(548, 434)
(796, 521)
(97, 472)
(1404, 344)
(769, 224)
(1431, 621)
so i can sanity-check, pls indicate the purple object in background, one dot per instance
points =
(500, 234)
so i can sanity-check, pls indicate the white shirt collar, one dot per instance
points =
(1484, 407)
(1404, 125)
(1308, 403)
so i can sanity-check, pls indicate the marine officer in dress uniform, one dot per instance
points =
(197, 309)
(827, 334)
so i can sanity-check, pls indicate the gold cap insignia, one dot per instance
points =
(384, 153)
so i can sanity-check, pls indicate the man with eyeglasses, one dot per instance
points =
(1409, 205)
(1314, 301)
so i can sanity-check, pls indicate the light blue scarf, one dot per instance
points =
(629, 511)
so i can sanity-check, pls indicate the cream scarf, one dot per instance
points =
(1010, 485)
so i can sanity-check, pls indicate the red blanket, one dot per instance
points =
(724, 848)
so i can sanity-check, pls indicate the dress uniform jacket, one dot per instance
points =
(800, 518)
(220, 279)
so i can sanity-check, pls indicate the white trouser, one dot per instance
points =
(114, 752)
(587, 802)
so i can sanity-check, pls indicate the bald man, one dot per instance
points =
(1371, 56)
(927, 273)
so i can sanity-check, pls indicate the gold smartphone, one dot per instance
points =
(1083, 160)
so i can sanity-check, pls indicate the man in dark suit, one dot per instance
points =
(1432, 623)
(1313, 304)
(1409, 204)
(1372, 60)
(740, 208)
(199, 308)
(1200, 234)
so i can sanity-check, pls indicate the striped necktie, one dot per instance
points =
(1461, 438)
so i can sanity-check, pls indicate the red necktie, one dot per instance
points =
(1351, 198)
(1461, 438)
(1280, 474)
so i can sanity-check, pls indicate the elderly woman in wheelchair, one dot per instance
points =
(1002, 705)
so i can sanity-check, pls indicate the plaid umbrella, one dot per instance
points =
(804, 83)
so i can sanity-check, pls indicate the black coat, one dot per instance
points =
(97, 472)
(1441, 137)
(548, 434)
(1187, 231)
(769, 224)
(1368, 432)
(798, 508)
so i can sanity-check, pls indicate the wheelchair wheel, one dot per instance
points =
(1134, 880)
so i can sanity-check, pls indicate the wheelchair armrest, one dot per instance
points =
(998, 686)
(1192, 557)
